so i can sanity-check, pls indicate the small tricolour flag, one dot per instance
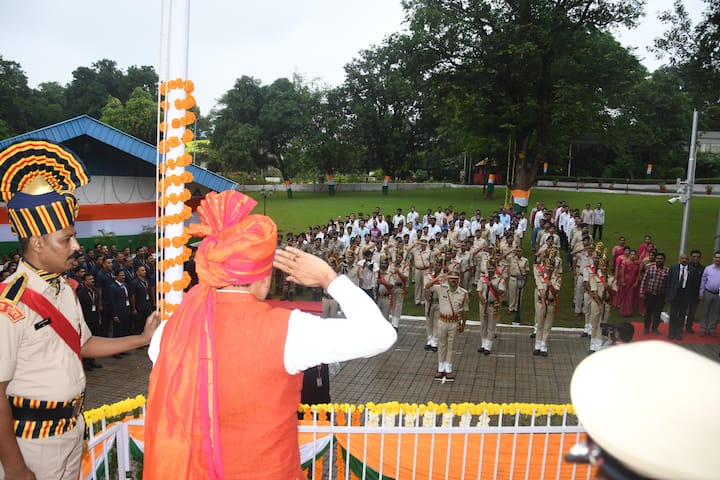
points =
(521, 198)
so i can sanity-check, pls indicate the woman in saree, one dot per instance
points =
(617, 251)
(628, 278)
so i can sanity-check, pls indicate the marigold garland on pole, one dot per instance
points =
(172, 195)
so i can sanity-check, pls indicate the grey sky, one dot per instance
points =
(228, 38)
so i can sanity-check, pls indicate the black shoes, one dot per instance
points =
(536, 352)
(532, 335)
(544, 354)
(428, 346)
(584, 334)
(439, 376)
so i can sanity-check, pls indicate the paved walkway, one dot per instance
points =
(405, 373)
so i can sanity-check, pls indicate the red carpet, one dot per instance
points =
(690, 338)
(309, 307)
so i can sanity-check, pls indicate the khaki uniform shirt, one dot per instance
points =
(421, 258)
(602, 288)
(394, 272)
(542, 281)
(464, 261)
(449, 302)
(583, 259)
(487, 294)
(519, 266)
(38, 364)
(480, 261)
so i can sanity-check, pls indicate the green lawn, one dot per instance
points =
(626, 214)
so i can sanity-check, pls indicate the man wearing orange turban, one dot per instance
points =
(226, 384)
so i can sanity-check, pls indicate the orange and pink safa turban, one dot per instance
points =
(238, 248)
(181, 428)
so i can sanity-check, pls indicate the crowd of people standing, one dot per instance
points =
(115, 289)
(450, 255)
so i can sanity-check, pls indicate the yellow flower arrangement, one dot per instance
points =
(116, 411)
(432, 409)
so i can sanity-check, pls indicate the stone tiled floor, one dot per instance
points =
(404, 373)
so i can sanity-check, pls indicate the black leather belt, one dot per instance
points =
(711, 292)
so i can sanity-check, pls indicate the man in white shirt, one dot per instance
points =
(564, 227)
(521, 226)
(587, 214)
(433, 228)
(285, 340)
(382, 224)
(412, 216)
(463, 230)
(475, 222)
(398, 218)
(498, 229)
(598, 221)
(439, 215)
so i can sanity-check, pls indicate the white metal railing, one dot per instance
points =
(405, 445)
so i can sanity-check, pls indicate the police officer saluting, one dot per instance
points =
(42, 332)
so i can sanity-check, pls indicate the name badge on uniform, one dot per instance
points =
(42, 323)
(94, 308)
(318, 381)
(127, 303)
(147, 297)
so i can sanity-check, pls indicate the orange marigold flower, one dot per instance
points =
(188, 136)
(184, 160)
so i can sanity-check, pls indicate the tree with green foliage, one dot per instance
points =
(138, 117)
(256, 126)
(91, 87)
(511, 68)
(385, 105)
(14, 99)
(47, 104)
(694, 56)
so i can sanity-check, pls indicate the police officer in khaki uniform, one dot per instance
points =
(330, 306)
(519, 268)
(453, 304)
(602, 289)
(490, 288)
(42, 332)
(398, 272)
(548, 280)
(421, 262)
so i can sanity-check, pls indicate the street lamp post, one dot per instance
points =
(265, 193)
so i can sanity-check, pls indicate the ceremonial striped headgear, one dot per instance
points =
(37, 181)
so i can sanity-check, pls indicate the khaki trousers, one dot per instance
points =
(54, 458)
(446, 339)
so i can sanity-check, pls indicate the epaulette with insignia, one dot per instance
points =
(10, 296)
